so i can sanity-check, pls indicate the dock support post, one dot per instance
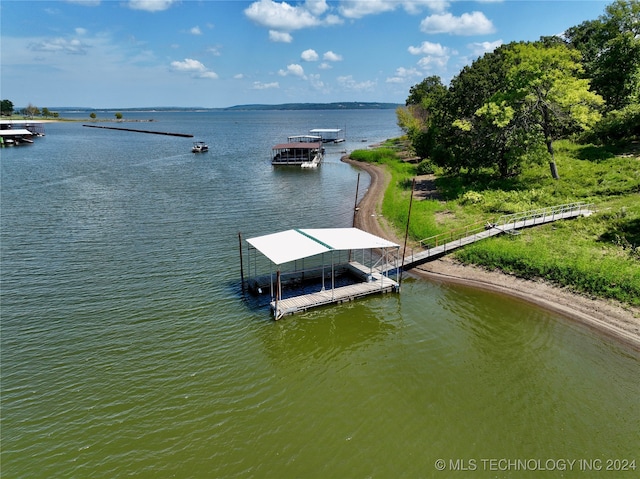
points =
(241, 265)
(406, 232)
(355, 206)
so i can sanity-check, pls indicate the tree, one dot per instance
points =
(466, 139)
(610, 47)
(6, 107)
(422, 115)
(31, 110)
(118, 116)
(92, 115)
(545, 93)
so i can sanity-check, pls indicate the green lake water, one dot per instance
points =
(128, 348)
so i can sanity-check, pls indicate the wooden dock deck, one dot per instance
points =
(379, 284)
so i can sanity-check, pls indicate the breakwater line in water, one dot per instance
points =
(184, 135)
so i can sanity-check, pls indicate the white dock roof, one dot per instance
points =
(16, 132)
(291, 245)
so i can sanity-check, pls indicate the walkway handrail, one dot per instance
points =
(475, 228)
(549, 211)
(453, 235)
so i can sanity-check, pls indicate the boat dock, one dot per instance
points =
(376, 284)
(323, 250)
(328, 135)
(305, 154)
(17, 132)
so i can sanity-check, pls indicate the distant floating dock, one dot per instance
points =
(183, 135)
(328, 135)
(331, 274)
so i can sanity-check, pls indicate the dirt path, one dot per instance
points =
(618, 321)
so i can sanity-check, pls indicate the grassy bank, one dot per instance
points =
(598, 255)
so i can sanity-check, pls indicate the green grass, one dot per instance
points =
(598, 255)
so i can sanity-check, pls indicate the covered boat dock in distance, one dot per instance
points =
(301, 153)
(328, 135)
(326, 266)
(16, 132)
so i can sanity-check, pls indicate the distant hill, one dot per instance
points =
(350, 105)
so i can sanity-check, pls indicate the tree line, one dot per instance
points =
(7, 109)
(508, 107)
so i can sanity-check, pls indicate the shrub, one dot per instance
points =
(425, 167)
(471, 198)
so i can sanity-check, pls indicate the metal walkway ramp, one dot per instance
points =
(438, 245)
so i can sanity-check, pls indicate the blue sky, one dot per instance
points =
(213, 54)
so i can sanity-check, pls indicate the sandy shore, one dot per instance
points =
(617, 321)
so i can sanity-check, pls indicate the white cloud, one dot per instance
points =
(316, 7)
(265, 86)
(281, 37)
(435, 56)
(214, 50)
(293, 69)
(238, 76)
(195, 67)
(81, 31)
(151, 5)
(428, 48)
(316, 83)
(430, 63)
(209, 75)
(361, 8)
(195, 31)
(325, 66)
(188, 65)
(480, 48)
(309, 55)
(404, 74)
(281, 16)
(474, 23)
(349, 83)
(73, 46)
(332, 57)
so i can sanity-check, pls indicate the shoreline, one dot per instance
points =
(611, 319)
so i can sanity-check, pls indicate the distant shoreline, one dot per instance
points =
(349, 105)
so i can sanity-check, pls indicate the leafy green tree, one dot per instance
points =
(118, 116)
(544, 91)
(423, 114)
(92, 115)
(6, 107)
(610, 47)
(465, 139)
(45, 112)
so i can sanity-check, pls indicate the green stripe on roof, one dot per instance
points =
(313, 238)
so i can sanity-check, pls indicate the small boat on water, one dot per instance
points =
(199, 147)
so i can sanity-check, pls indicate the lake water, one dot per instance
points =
(127, 348)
